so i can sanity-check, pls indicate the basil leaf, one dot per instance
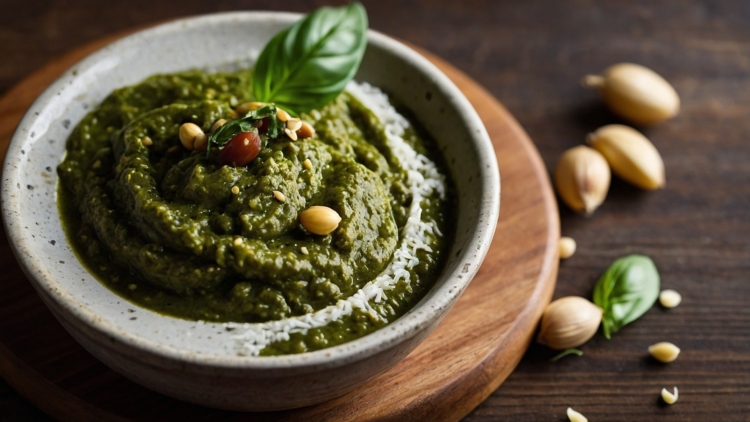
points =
(246, 123)
(308, 64)
(626, 291)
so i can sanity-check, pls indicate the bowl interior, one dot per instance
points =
(218, 42)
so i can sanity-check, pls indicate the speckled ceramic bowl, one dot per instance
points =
(197, 362)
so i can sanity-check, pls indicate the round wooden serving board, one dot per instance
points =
(465, 359)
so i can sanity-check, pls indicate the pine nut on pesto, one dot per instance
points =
(200, 249)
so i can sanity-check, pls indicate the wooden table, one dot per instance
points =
(531, 56)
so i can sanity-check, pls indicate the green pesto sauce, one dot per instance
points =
(160, 226)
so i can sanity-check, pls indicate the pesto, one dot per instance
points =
(161, 226)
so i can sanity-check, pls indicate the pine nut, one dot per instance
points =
(567, 247)
(219, 123)
(282, 115)
(669, 398)
(291, 134)
(664, 352)
(319, 220)
(669, 298)
(244, 108)
(305, 131)
(190, 133)
(294, 124)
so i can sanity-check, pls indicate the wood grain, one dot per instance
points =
(530, 55)
(468, 356)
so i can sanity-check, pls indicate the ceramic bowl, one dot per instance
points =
(198, 362)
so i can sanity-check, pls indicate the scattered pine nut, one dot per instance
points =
(304, 250)
(567, 247)
(575, 416)
(664, 352)
(669, 298)
(669, 398)
(146, 141)
(237, 241)
(235, 190)
(308, 164)
(280, 196)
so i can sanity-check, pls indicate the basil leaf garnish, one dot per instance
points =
(246, 123)
(302, 68)
(626, 291)
(308, 64)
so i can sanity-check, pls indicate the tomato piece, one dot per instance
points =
(262, 125)
(241, 149)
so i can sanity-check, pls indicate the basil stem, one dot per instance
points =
(307, 65)
(626, 291)
(566, 353)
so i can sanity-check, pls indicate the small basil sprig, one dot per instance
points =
(626, 291)
(247, 123)
(308, 64)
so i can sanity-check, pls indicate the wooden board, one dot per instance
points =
(466, 358)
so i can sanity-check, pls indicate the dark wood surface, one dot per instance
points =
(531, 55)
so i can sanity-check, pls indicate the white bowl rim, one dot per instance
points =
(469, 259)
